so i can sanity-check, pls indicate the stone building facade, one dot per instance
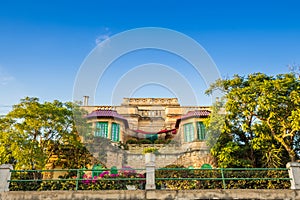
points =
(177, 131)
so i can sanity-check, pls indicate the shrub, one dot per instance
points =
(160, 141)
(150, 150)
(131, 141)
(217, 183)
(104, 181)
(145, 141)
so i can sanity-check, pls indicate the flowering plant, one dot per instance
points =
(114, 181)
(150, 150)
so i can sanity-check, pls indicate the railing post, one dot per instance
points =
(223, 179)
(294, 174)
(5, 175)
(150, 171)
(77, 177)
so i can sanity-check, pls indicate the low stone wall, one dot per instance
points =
(163, 148)
(152, 194)
(187, 155)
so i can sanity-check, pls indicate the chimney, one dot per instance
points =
(86, 100)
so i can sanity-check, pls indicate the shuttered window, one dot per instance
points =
(201, 132)
(115, 132)
(101, 129)
(188, 132)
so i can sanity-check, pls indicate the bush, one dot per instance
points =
(28, 185)
(160, 141)
(104, 181)
(243, 183)
(145, 141)
(131, 141)
(150, 150)
(109, 181)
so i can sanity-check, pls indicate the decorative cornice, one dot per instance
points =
(151, 101)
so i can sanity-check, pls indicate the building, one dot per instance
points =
(177, 131)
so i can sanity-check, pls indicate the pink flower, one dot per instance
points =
(141, 175)
(114, 175)
(103, 174)
(94, 179)
(87, 179)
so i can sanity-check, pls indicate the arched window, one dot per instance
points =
(188, 132)
(201, 132)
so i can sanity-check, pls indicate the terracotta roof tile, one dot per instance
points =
(196, 114)
(107, 114)
(193, 114)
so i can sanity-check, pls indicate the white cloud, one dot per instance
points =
(5, 78)
(103, 37)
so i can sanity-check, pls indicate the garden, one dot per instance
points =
(173, 177)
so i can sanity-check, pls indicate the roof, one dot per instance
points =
(107, 114)
(193, 114)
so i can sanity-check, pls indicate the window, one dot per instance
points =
(201, 132)
(101, 129)
(115, 132)
(188, 132)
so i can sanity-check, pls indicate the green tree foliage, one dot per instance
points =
(32, 132)
(262, 121)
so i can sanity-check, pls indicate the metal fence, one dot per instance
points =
(225, 178)
(76, 178)
(165, 178)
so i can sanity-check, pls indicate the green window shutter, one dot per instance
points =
(201, 132)
(115, 132)
(101, 129)
(185, 133)
(192, 136)
(188, 132)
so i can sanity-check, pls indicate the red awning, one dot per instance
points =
(159, 132)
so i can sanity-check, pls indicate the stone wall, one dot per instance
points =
(191, 154)
(153, 194)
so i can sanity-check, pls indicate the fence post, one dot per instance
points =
(5, 177)
(223, 179)
(150, 171)
(294, 174)
(77, 178)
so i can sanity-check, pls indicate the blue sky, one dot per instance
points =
(43, 43)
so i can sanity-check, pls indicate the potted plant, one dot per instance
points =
(150, 154)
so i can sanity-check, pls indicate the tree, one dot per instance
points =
(262, 119)
(33, 131)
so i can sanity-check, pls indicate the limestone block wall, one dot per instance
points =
(168, 154)
(153, 194)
